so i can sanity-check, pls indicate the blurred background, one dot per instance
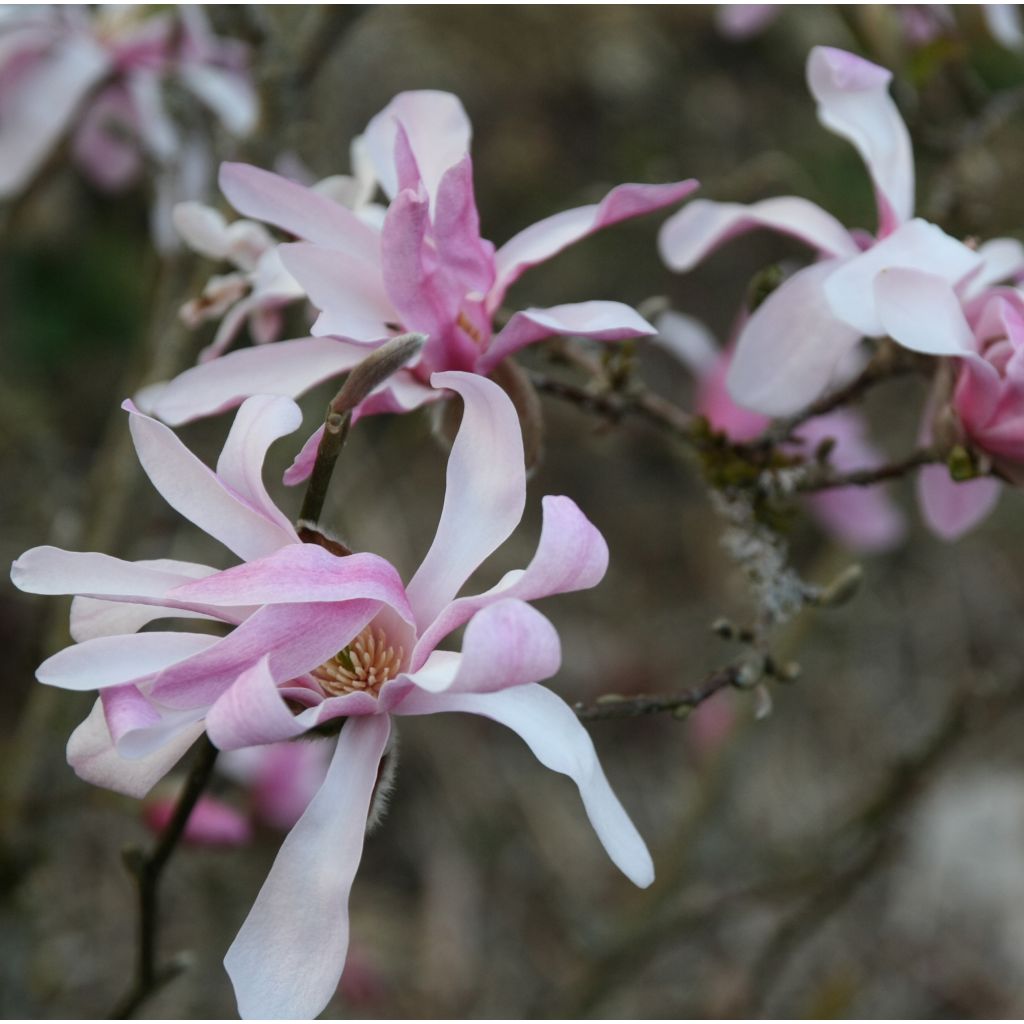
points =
(857, 852)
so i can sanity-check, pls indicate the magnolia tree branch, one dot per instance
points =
(828, 479)
(147, 871)
(369, 374)
(680, 704)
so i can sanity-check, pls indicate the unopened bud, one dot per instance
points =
(375, 369)
(841, 589)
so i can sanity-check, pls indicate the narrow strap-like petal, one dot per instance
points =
(484, 495)
(698, 228)
(854, 102)
(558, 740)
(287, 368)
(600, 320)
(251, 712)
(922, 312)
(288, 956)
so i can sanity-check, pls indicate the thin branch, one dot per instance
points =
(829, 479)
(147, 871)
(613, 706)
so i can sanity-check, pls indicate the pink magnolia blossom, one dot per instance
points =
(101, 78)
(317, 639)
(985, 337)
(863, 518)
(791, 348)
(425, 268)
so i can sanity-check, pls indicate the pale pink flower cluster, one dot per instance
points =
(103, 81)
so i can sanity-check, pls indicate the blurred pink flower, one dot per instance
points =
(101, 77)
(339, 638)
(863, 518)
(791, 348)
(211, 823)
(424, 268)
(985, 335)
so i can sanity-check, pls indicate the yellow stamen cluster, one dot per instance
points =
(470, 328)
(365, 665)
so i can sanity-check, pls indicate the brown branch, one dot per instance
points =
(613, 706)
(147, 871)
(829, 479)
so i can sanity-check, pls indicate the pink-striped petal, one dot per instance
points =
(558, 740)
(854, 102)
(303, 905)
(438, 133)
(571, 555)
(251, 712)
(790, 348)
(93, 617)
(701, 226)
(602, 321)
(550, 236)
(298, 210)
(92, 755)
(484, 496)
(288, 368)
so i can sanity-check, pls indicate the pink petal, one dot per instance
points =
(287, 368)
(571, 555)
(288, 956)
(703, 225)
(298, 210)
(951, 509)
(92, 617)
(105, 146)
(302, 465)
(922, 312)
(550, 236)
(916, 245)
(251, 712)
(558, 740)
(438, 133)
(296, 637)
(348, 291)
(854, 102)
(1001, 260)
(301, 574)
(507, 644)
(191, 489)
(111, 660)
(138, 727)
(602, 321)
(468, 257)
(484, 496)
(211, 823)
(92, 755)
(259, 422)
(790, 347)
(39, 106)
(744, 21)
(716, 404)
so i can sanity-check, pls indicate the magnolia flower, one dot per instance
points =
(985, 338)
(103, 77)
(425, 268)
(317, 641)
(863, 518)
(789, 351)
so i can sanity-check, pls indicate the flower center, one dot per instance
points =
(365, 665)
(470, 328)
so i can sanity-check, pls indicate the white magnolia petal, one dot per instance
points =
(922, 312)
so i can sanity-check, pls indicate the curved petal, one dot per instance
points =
(288, 368)
(917, 245)
(558, 740)
(438, 132)
(790, 348)
(303, 905)
(349, 292)
(302, 574)
(689, 341)
(296, 638)
(112, 660)
(92, 617)
(602, 321)
(571, 555)
(484, 495)
(39, 106)
(259, 422)
(922, 312)
(93, 758)
(463, 253)
(203, 228)
(1001, 259)
(854, 102)
(228, 94)
(550, 236)
(703, 225)
(298, 210)
(951, 509)
(507, 644)
(251, 712)
(194, 491)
